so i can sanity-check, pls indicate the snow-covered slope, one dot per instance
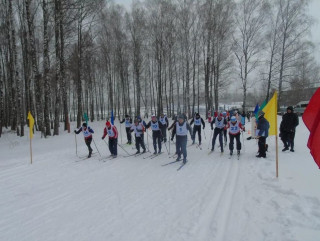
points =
(61, 197)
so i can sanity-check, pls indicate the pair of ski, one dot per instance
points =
(196, 144)
(210, 152)
(181, 166)
(153, 155)
(82, 158)
(238, 156)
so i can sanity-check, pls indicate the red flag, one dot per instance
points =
(311, 117)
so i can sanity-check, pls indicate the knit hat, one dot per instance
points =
(260, 114)
(290, 108)
(233, 119)
(84, 124)
(224, 113)
(108, 124)
(181, 117)
(127, 116)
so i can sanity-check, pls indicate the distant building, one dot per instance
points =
(293, 97)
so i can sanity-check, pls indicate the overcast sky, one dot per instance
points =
(314, 12)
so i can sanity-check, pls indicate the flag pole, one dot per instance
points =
(31, 150)
(277, 157)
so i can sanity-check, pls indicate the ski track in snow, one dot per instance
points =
(212, 198)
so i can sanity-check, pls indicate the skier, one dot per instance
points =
(197, 120)
(128, 124)
(209, 116)
(288, 126)
(165, 123)
(181, 128)
(234, 133)
(112, 131)
(138, 129)
(87, 133)
(156, 127)
(220, 123)
(173, 133)
(227, 119)
(262, 134)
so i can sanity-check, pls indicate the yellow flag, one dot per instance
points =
(31, 123)
(270, 111)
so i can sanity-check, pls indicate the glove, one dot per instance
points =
(75, 131)
(212, 128)
(172, 139)
(102, 138)
(203, 127)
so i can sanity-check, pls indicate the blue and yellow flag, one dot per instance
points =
(270, 113)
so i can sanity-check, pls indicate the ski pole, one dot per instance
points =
(75, 137)
(123, 149)
(210, 138)
(120, 133)
(96, 146)
(164, 142)
(204, 133)
(244, 147)
(106, 142)
(169, 140)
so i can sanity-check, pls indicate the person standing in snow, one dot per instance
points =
(288, 126)
(112, 132)
(87, 133)
(165, 124)
(234, 127)
(227, 119)
(128, 123)
(220, 123)
(262, 134)
(197, 120)
(181, 128)
(138, 129)
(156, 133)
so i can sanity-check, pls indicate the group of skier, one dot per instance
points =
(180, 128)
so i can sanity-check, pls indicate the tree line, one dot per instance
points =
(60, 59)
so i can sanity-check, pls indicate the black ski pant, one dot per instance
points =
(88, 143)
(140, 142)
(181, 146)
(113, 146)
(262, 146)
(156, 136)
(128, 134)
(288, 139)
(164, 134)
(217, 131)
(232, 137)
(195, 130)
(225, 136)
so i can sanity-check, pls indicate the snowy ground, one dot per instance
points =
(60, 197)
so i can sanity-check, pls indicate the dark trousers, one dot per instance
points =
(113, 146)
(232, 137)
(156, 135)
(88, 143)
(164, 134)
(181, 146)
(225, 136)
(140, 142)
(288, 139)
(217, 131)
(128, 134)
(195, 130)
(262, 146)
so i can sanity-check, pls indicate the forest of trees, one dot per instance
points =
(60, 59)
